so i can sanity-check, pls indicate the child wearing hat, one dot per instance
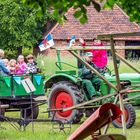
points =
(31, 65)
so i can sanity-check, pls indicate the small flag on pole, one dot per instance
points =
(72, 41)
(46, 43)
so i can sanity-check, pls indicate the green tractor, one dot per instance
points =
(66, 90)
(126, 80)
(16, 98)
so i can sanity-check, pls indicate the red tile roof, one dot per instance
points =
(106, 21)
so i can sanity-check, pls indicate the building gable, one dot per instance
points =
(106, 21)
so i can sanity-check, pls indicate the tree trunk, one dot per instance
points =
(19, 51)
(36, 51)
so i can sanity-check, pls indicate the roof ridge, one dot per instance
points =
(125, 14)
(115, 21)
(58, 23)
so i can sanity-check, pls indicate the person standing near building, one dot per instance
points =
(100, 58)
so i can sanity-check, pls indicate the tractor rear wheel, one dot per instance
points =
(63, 95)
(130, 117)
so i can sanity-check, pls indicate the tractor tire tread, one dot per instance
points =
(131, 119)
(78, 96)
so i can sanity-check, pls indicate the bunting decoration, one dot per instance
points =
(8, 81)
(38, 79)
(17, 80)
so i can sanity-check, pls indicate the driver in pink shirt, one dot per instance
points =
(100, 57)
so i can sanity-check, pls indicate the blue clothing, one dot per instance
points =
(3, 69)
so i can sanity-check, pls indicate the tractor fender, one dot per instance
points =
(60, 77)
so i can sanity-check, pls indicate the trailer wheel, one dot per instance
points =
(30, 112)
(130, 117)
(65, 94)
(2, 112)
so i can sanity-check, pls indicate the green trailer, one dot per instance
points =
(14, 95)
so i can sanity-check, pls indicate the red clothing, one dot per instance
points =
(100, 57)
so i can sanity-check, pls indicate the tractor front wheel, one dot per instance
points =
(130, 117)
(63, 95)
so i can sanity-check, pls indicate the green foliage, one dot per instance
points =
(27, 51)
(60, 7)
(19, 25)
(10, 54)
(13, 54)
(132, 8)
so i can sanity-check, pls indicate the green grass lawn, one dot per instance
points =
(48, 65)
(44, 131)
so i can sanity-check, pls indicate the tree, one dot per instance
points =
(19, 25)
(132, 8)
(60, 7)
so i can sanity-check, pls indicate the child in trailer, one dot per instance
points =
(12, 66)
(6, 62)
(21, 65)
(31, 65)
(3, 69)
(90, 80)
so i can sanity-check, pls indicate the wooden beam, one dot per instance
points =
(88, 102)
(118, 84)
(93, 101)
(131, 98)
(127, 63)
(117, 35)
(115, 64)
(80, 48)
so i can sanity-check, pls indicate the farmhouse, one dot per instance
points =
(106, 21)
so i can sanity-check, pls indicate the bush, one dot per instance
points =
(13, 54)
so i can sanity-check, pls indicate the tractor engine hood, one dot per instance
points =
(124, 76)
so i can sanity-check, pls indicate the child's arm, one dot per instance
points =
(22, 68)
(4, 68)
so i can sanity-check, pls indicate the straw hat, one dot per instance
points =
(30, 56)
